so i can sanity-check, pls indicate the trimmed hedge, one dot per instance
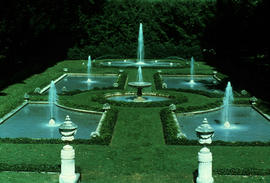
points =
(122, 80)
(34, 168)
(241, 171)
(177, 99)
(42, 141)
(107, 128)
(169, 127)
(157, 81)
(211, 105)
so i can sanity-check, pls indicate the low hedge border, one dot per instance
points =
(122, 80)
(177, 99)
(170, 131)
(241, 171)
(211, 105)
(107, 127)
(34, 168)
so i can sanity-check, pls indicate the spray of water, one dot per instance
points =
(192, 70)
(52, 102)
(140, 77)
(89, 68)
(227, 101)
(140, 51)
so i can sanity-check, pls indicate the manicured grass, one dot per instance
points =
(242, 179)
(26, 177)
(127, 162)
(133, 126)
(137, 152)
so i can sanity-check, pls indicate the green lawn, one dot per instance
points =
(26, 177)
(137, 152)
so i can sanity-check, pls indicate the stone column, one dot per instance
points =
(68, 165)
(205, 166)
(139, 92)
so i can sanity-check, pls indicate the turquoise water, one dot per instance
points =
(32, 122)
(246, 125)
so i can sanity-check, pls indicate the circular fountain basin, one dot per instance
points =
(130, 63)
(132, 98)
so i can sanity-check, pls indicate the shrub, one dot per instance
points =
(33, 167)
(107, 127)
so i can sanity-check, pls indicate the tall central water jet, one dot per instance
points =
(192, 71)
(140, 84)
(140, 77)
(227, 101)
(140, 51)
(89, 69)
(52, 102)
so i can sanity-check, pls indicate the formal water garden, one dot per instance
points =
(143, 93)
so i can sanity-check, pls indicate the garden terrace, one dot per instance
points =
(135, 149)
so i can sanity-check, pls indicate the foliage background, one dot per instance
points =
(231, 35)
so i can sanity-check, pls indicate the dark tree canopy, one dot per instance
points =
(229, 34)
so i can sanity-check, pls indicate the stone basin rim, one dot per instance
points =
(139, 84)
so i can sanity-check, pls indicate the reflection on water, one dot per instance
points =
(246, 125)
(32, 122)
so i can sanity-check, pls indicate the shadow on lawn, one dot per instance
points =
(195, 175)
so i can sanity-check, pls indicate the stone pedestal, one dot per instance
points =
(68, 174)
(205, 166)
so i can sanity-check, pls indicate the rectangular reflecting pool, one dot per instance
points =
(205, 83)
(32, 122)
(71, 82)
(246, 125)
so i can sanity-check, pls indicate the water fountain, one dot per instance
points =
(227, 101)
(140, 51)
(191, 82)
(140, 57)
(140, 84)
(89, 69)
(52, 102)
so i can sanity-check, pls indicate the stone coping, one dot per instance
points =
(97, 131)
(65, 107)
(186, 75)
(73, 74)
(218, 108)
(217, 78)
(134, 93)
(199, 112)
(12, 112)
(85, 74)
(55, 81)
(266, 116)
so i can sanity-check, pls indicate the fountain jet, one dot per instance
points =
(140, 51)
(140, 77)
(140, 84)
(52, 102)
(227, 101)
(88, 69)
(192, 71)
